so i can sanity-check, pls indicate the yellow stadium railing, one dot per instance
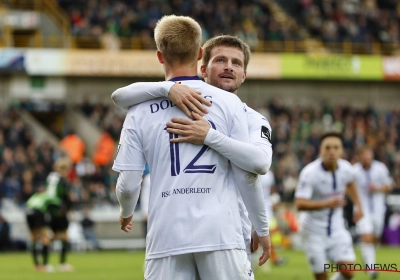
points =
(36, 40)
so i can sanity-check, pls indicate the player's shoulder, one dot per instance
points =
(220, 94)
(380, 166)
(344, 163)
(312, 167)
(255, 117)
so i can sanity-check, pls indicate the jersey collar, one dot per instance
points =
(184, 78)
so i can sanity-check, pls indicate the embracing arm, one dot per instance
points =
(254, 158)
(136, 93)
(249, 157)
(186, 98)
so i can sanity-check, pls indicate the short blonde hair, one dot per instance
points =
(226, 41)
(178, 38)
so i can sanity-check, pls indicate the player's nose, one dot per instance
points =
(228, 66)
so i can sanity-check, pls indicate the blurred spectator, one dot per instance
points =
(88, 229)
(104, 152)
(73, 146)
(5, 239)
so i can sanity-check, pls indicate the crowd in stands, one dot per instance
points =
(24, 163)
(249, 20)
(358, 21)
(355, 20)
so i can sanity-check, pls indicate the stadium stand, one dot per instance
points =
(275, 26)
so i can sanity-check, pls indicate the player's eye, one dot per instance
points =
(220, 60)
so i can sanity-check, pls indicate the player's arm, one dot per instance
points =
(352, 193)
(386, 182)
(260, 137)
(128, 190)
(186, 98)
(130, 163)
(252, 158)
(304, 192)
(250, 187)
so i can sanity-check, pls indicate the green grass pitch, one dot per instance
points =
(124, 265)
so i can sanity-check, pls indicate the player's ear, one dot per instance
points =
(160, 57)
(203, 70)
(244, 76)
(200, 56)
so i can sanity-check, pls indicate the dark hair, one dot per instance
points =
(331, 134)
(226, 41)
(365, 148)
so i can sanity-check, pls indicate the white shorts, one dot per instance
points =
(320, 249)
(371, 224)
(213, 265)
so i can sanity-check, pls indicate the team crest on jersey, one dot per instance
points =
(265, 133)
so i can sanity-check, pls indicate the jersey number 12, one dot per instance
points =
(191, 167)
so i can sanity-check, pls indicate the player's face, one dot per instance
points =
(225, 69)
(331, 150)
(366, 157)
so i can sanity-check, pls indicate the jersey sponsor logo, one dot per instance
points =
(185, 191)
(250, 272)
(265, 133)
(163, 105)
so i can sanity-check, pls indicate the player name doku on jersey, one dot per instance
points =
(185, 191)
(165, 104)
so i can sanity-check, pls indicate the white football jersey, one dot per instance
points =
(316, 183)
(193, 200)
(260, 135)
(377, 175)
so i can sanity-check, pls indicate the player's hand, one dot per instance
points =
(188, 99)
(373, 188)
(126, 223)
(192, 131)
(358, 214)
(266, 247)
(336, 202)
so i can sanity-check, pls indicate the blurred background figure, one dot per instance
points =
(5, 238)
(88, 227)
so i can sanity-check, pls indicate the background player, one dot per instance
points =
(36, 210)
(224, 65)
(320, 192)
(193, 244)
(57, 186)
(373, 182)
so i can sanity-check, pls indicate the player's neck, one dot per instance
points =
(366, 166)
(181, 70)
(329, 166)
